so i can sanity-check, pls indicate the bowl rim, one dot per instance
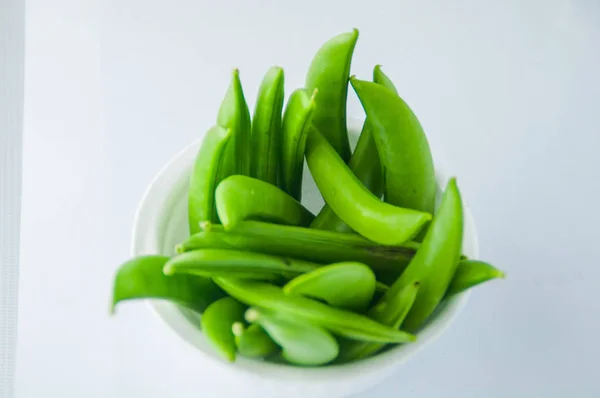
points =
(168, 313)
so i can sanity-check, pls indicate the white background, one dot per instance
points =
(508, 93)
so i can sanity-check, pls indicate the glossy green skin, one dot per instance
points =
(392, 312)
(409, 177)
(301, 309)
(471, 273)
(204, 178)
(323, 247)
(253, 341)
(347, 285)
(235, 115)
(353, 203)
(297, 120)
(329, 72)
(241, 198)
(216, 323)
(142, 278)
(364, 163)
(237, 264)
(266, 127)
(301, 343)
(436, 260)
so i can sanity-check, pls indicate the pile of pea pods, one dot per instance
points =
(274, 281)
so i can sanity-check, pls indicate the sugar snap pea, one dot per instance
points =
(353, 203)
(301, 343)
(253, 341)
(324, 247)
(242, 198)
(329, 72)
(436, 260)
(392, 312)
(235, 116)
(348, 285)
(409, 178)
(237, 264)
(142, 278)
(266, 127)
(297, 120)
(216, 324)
(338, 321)
(204, 178)
(471, 273)
(364, 163)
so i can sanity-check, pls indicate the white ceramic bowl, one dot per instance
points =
(161, 222)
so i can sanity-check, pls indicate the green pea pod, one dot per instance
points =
(392, 312)
(353, 203)
(471, 273)
(242, 198)
(409, 178)
(235, 116)
(204, 178)
(329, 72)
(324, 247)
(266, 127)
(436, 260)
(253, 341)
(364, 163)
(296, 124)
(347, 285)
(217, 321)
(142, 278)
(302, 309)
(236, 264)
(301, 343)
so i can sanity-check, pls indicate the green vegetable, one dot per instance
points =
(344, 285)
(142, 278)
(204, 178)
(217, 321)
(353, 203)
(253, 341)
(242, 198)
(328, 73)
(471, 273)
(301, 343)
(266, 127)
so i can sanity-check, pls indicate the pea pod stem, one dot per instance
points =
(253, 341)
(266, 127)
(217, 321)
(319, 246)
(353, 203)
(470, 273)
(242, 198)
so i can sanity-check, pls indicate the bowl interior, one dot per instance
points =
(161, 223)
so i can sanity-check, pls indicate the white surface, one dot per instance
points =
(508, 93)
(161, 223)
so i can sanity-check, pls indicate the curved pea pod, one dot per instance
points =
(301, 343)
(364, 163)
(392, 311)
(353, 203)
(329, 72)
(344, 285)
(436, 260)
(205, 177)
(470, 273)
(296, 124)
(236, 264)
(409, 178)
(324, 247)
(235, 116)
(302, 309)
(266, 127)
(242, 198)
(253, 341)
(217, 322)
(142, 278)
